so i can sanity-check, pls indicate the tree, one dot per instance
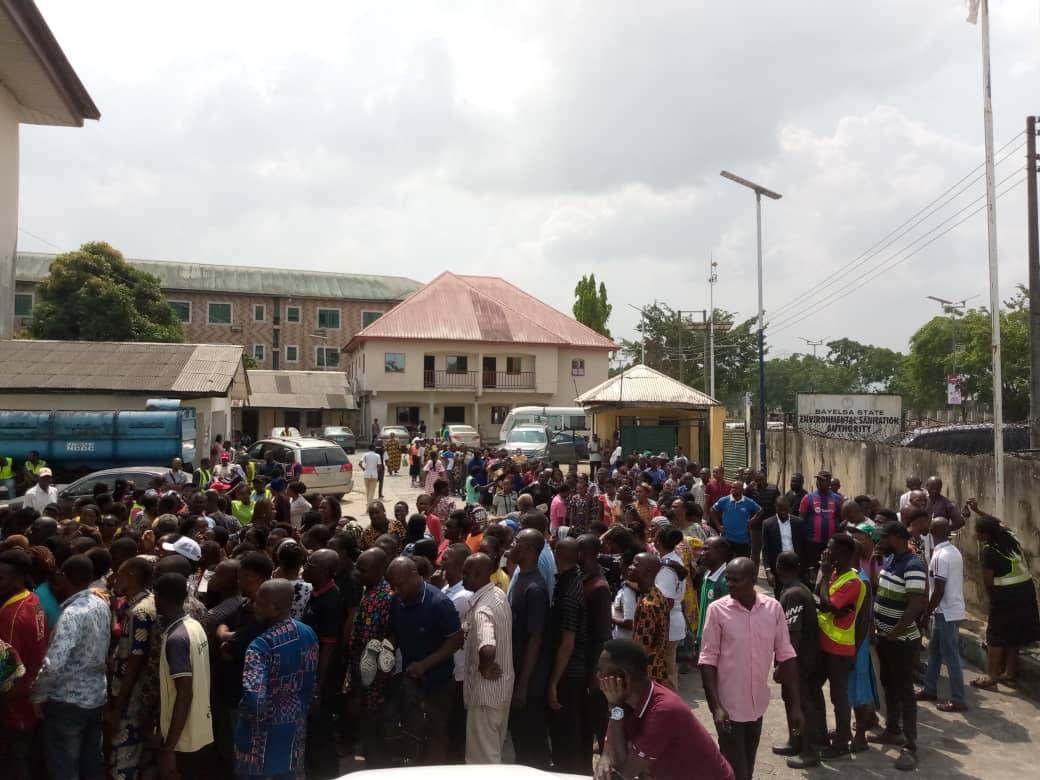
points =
(93, 294)
(871, 368)
(590, 304)
(961, 345)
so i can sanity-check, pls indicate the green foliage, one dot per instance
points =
(590, 304)
(961, 345)
(676, 349)
(786, 377)
(93, 294)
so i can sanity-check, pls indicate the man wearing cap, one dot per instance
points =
(227, 472)
(900, 601)
(43, 492)
(186, 547)
(821, 511)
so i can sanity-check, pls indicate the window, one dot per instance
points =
(219, 314)
(313, 418)
(328, 319)
(258, 353)
(578, 367)
(513, 365)
(23, 304)
(498, 414)
(326, 357)
(182, 310)
(457, 364)
(292, 353)
(292, 313)
(394, 363)
(368, 317)
(259, 312)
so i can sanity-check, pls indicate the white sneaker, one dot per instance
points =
(387, 657)
(369, 663)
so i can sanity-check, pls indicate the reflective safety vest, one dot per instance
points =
(34, 468)
(1019, 572)
(838, 635)
(7, 469)
(251, 471)
(205, 477)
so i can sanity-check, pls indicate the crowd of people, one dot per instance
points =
(232, 623)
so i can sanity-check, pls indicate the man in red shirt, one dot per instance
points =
(715, 488)
(651, 730)
(842, 594)
(22, 625)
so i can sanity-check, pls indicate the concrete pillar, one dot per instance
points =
(8, 208)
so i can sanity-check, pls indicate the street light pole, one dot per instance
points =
(759, 191)
(814, 345)
(711, 325)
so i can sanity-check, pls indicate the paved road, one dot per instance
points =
(998, 738)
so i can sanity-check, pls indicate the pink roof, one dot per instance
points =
(479, 309)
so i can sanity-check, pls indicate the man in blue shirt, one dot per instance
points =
(428, 632)
(734, 513)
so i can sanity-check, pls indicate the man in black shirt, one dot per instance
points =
(324, 614)
(540, 490)
(223, 704)
(529, 602)
(597, 621)
(797, 492)
(800, 610)
(765, 495)
(567, 681)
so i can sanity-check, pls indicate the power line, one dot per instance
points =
(889, 238)
(41, 240)
(785, 324)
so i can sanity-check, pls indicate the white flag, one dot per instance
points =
(973, 11)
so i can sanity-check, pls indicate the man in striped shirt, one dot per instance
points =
(488, 684)
(900, 599)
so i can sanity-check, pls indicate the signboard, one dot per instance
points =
(853, 416)
(953, 390)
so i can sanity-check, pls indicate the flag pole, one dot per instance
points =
(981, 7)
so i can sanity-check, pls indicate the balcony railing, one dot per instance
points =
(450, 380)
(508, 380)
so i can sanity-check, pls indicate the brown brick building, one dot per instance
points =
(284, 319)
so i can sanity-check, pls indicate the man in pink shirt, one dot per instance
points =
(743, 633)
(558, 508)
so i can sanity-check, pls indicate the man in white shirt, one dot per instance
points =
(615, 456)
(176, 476)
(43, 492)
(451, 563)
(371, 462)
(912, 483)
(946, 606)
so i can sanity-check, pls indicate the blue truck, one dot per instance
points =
(76, 443)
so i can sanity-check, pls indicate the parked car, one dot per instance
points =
(398, 430)
(463, 435)
(580, 443)
(537, 441)
(324, 465)
(341, 435)
(141, 476)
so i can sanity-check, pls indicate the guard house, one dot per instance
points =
(652, 411)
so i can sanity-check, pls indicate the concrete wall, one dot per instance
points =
(881, 470)
(8, 208)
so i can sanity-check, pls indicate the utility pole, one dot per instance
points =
(712, 279)
(812, 376)
(981, 9)
(642, 332)
(1034, 282)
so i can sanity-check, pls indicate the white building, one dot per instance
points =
(38, 87)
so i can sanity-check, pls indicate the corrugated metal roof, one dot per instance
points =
(300, 390)
(116, 366)
(246, 280)
(480, 309)
(644, 386)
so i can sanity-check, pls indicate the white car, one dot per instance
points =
(463, 435)
(325, 467)
(463, 772)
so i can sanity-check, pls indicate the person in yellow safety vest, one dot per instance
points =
(7, 478)
(242, 504)
(1014, 620)
(841, 594)
(248, 466)
(203, 475)
(33, 466)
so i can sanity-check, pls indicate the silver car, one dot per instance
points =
(325, 467)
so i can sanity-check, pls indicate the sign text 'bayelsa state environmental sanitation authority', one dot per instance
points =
(854, 416)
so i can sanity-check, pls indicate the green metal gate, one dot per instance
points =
(655, 438)
(734, 451)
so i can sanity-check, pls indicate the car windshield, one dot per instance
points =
(526, 437)
(336, 430)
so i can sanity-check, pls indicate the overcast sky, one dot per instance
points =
(542, 140)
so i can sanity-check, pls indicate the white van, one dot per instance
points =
(555, 418)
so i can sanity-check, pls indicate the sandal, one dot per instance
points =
(984, 683)
(1010, 682)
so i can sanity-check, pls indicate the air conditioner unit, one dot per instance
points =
(236, 328)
